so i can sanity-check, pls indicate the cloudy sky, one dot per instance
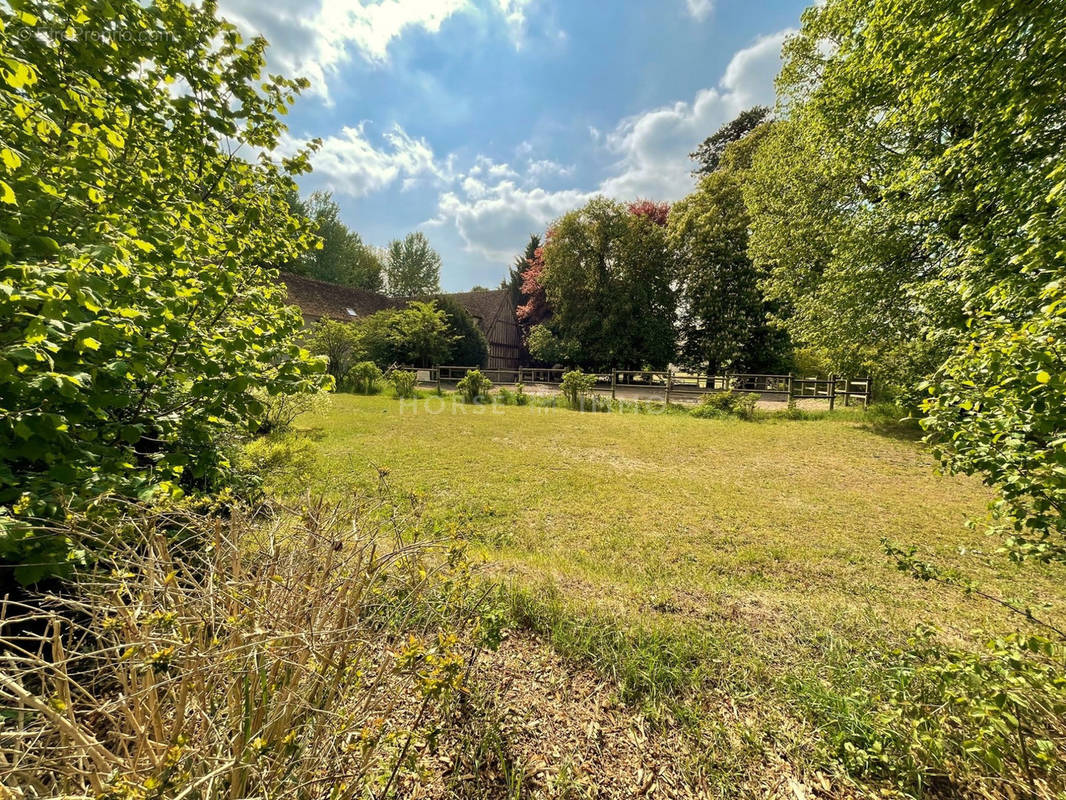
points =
(480, 121)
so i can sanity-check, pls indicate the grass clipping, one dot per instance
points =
(211, 658)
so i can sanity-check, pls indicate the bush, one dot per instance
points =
(364, 378)
(279, 463)
(474, 387)
(136, 318)
(577, 389)
(403, 383)
(256, 662)
(281, 410)
(520, 396)
(727, 404)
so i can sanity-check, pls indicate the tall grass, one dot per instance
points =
(310, 656)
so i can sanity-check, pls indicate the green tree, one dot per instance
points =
(926, 172)
(469, 347)
(515, 276)
(412, 267)
(342, 257)
(417, 335)
(340, 343)
(136, 317)
(723, 316)
(709, 153)
(608, 280)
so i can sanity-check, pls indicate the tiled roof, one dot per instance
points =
(483, 305)
(317, 299)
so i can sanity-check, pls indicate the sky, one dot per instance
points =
(478, 122)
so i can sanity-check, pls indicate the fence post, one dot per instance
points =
(669, 382)
(790, 388)
(438, 379)
(614, 379)
(847, 391)
(832, 391)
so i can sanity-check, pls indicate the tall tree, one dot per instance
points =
(607, 277)
(709, 154)
(469, 347)
(342, 257)
(513, 281)
(412, 267)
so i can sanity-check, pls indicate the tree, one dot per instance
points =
(933, 134)
(723, 315)
(417, 334)
(421, 335)
(137, 321)
(469, 346)
(343, 257)
(412, 267)
(513, 281)
(339, 342)
(535, 310)
(709, 153)
(607, 277)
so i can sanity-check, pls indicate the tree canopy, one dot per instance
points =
(709, 154)
(606, 275)
(341, 256)
(412, 267)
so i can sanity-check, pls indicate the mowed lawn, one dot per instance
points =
(770, 527)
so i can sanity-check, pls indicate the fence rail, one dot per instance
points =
(674, 385)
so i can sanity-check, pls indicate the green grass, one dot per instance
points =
(702, 563)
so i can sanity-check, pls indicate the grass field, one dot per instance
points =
(741, 560)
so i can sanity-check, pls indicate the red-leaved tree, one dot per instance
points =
(656, 212)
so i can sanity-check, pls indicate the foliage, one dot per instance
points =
(577, 388)
(281, 410)
(340, 342)
(293, 640)
(282, 464)
(474, 387)
(724, 317)
(657, 213)
(403, 383)
(930, 238)
(417, 334)
(709, 154)
(612, 301)
(412, 267)
(514, 280)
(342, 257)
(363, 378)
(469, 346)
(727, 404)
(545, 347)
(136, 316)
(535, 309)
(520, 396)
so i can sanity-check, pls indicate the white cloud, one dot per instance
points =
(700, 9)
(351, 164)
(491, 223)
(314, 38)
(653, 147)
(545, 167)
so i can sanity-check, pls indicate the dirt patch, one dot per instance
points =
(540, 728)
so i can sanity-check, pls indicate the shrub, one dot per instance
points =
(281, 410)
(505, 397)
(364, 378)
(279, 463)
(403, 383)
(520, 396)
(256, 661)
(474, 387)
(136, 317)
(727, 404)
(577, 388)
(340, 343)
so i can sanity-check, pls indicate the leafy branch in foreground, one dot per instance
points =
(138, 315)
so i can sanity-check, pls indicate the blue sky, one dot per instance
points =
(480, 121)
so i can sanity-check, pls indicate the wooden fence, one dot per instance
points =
(676, 385)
